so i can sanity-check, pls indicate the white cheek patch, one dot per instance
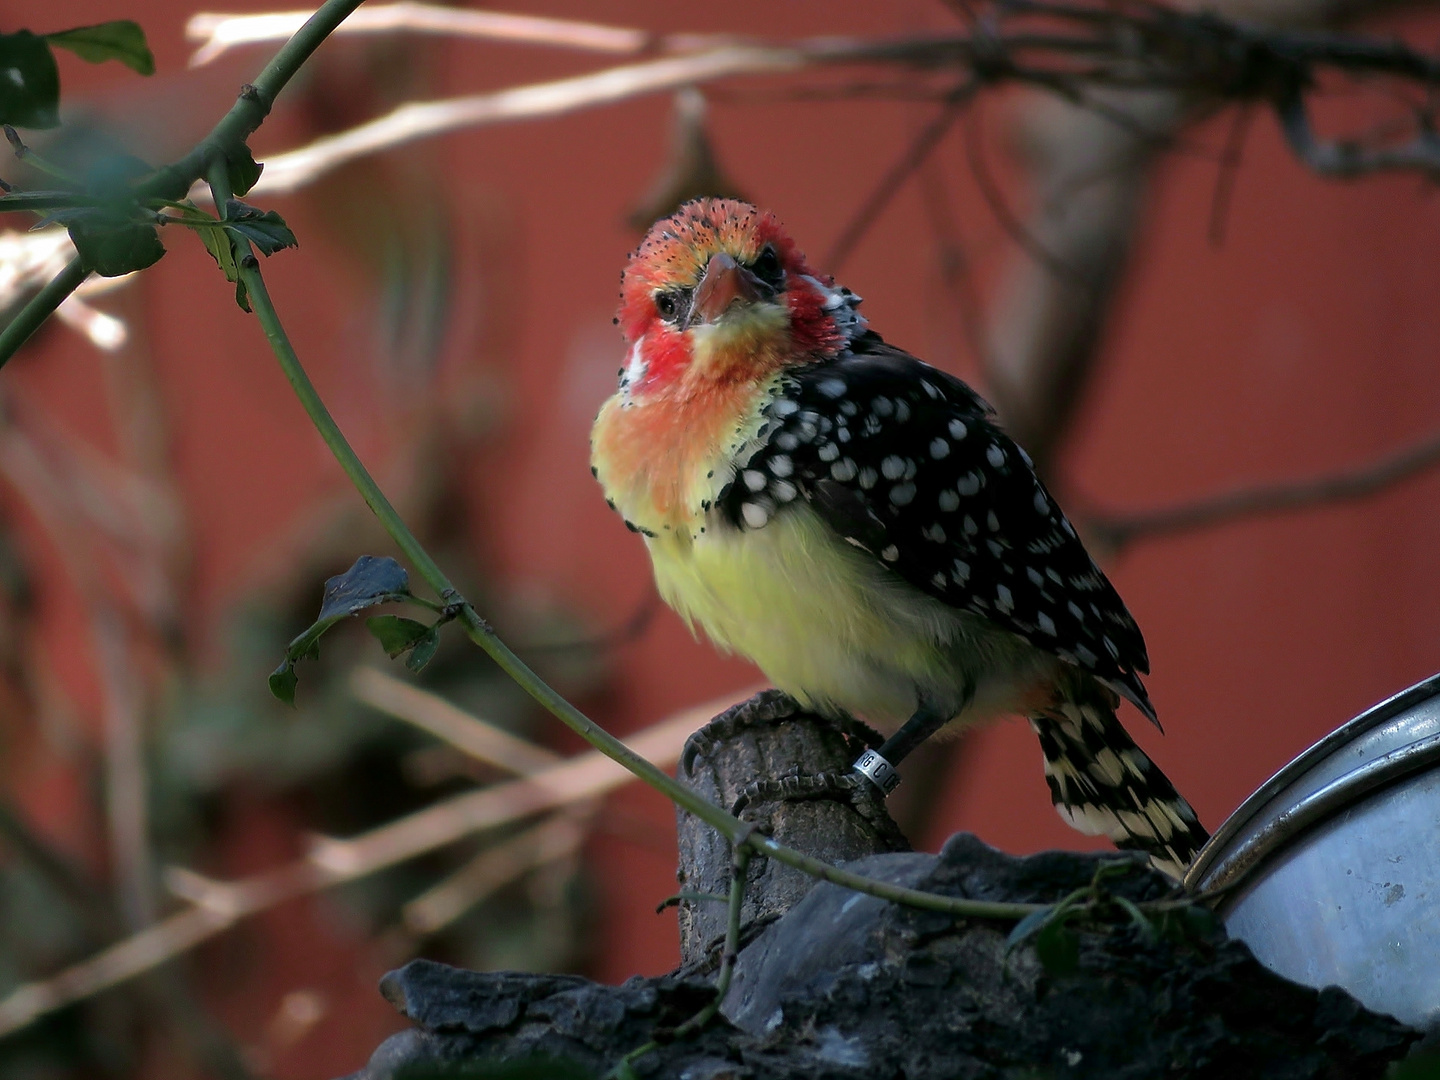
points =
(841, 305)
(634, 369)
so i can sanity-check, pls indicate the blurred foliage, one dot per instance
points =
(216, 743)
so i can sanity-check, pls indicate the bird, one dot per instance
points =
(856, 523)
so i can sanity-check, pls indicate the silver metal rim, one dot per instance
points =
(1371, 717)
(1254, 850)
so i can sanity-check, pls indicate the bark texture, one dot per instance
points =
(788, 751)
(834, 985)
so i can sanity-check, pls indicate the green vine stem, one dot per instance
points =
(40, 307)
(736, 901)
(174, 180)
(738, 832)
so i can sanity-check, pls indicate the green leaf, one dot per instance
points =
(283, 681)
(29, 82)
(112, 244)
(1058, 949)
(396, 634)
(264, 228)
(244, 170)
(424, 650)
(217, 243)
(121, 40)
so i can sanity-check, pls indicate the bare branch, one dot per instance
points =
(432, 713)
(288, 172)
(219, 33)
(1346, 159)
(915, 155)
(555, 838)
(216, 906)
(1229, 170)
(1118, 530)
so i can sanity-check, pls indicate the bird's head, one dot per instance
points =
(719, 292)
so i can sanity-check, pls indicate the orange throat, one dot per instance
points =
(663, 456)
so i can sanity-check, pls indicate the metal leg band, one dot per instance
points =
(878, 771)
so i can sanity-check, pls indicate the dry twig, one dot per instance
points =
(1097, 48)
(1118, 530)
(216, 906)
(464, 731)
(219, 33)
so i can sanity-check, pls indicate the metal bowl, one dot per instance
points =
(1333, 866)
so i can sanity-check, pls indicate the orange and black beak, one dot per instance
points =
(724, 283)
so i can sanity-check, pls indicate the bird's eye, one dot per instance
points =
(667, 304)
(767, 267)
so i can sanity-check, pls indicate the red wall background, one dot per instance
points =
(1304, 344)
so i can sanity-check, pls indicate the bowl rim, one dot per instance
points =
(1317, 804)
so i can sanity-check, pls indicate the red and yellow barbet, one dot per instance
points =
(854, 521)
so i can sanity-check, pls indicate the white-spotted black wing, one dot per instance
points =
(906, 463)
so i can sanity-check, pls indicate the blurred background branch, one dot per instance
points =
(459, 829)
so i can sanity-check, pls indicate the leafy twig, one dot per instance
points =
(226, 140)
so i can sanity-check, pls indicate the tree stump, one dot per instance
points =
(836, 985)
(835, 828)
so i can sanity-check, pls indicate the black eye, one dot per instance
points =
(767, 267)
(667, 304)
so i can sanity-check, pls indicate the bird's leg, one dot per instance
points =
(878, 765)
(766, 707)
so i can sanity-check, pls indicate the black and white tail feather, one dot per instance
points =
(1102, 784)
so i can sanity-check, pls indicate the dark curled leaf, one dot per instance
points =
(1058, 949)
(1027, 926)
(112, 245)
(243, 168)
(374, 579)
(283, 682)
(395, 633)
(264, 228)
(121, 40)
(30, 90)
(424, 650)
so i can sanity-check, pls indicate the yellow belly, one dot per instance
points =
(835, 629)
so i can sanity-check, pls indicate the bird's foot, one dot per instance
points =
(850, 788)
(766, 707)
